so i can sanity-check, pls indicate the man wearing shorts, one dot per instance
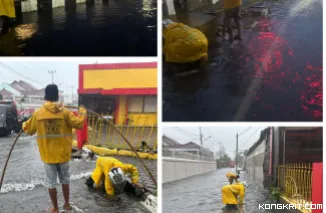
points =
(53, 124)
(233, 11)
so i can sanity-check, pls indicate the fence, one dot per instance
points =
(103, 134)
(185, 155)
(295, 182)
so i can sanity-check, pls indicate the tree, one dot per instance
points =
(1, 97)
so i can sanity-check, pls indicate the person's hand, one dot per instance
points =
(24, 126)
(138, 185)
(82, 110)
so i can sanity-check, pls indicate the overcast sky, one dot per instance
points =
(225, 135)
(36, 71)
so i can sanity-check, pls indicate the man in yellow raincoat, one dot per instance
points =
(233, 11)
(230, 194)
(232, 177)
(53, 125)
(7, 13)
(183, 44)
(112, 173)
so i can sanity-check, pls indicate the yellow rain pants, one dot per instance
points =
(230, 193)
(7, 8)
(184, 44)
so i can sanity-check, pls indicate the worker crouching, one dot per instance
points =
(232, 177)
(113, 174)
(231, 193)
(184, 46)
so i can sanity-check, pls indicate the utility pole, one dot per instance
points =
(201, 141)
(52, 72)
(72, 93)
(236, 156)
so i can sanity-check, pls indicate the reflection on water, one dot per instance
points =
(274, 74)
(101, 28)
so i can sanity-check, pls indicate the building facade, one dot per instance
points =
(127, 92)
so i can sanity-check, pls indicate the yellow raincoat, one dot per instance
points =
(104, 165)
(230, 193)
(7, 8)
(229, 4)
(232, 176)
(53, 125)
(184, 44)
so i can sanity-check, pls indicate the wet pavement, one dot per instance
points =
(23, 189)
(202, 193)
(101, 28)
(274, 74)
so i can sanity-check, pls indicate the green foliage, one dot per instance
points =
(275, 193)
(1, 97)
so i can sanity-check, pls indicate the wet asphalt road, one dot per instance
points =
(23, 190)
(101, 28)
(202, 193)
(274, 74)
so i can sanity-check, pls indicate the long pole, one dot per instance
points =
(201, 142)
(236, 156)
(51, 73)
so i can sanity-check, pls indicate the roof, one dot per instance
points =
(189, 145)
(9, 88)
(23, 86)
(169, 141)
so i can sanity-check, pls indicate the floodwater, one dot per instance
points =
(23, 189)
(95, 28)
(274, 74)
(202, 193)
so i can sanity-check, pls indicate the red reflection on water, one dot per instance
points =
(268, 52)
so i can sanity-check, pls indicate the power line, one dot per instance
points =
(187, 132)
(52, 72)
(20, 73)
(190, 136)
(244, 131)
(251, 136)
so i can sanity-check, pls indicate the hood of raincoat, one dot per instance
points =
(167, 22)
(53, 107)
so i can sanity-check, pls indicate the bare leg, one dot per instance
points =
(65, 189)
(53, 196)
(237, 21)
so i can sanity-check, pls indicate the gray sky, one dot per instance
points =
(36, 71)
(226, 135)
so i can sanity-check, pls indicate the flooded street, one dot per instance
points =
(202, 193)
(101, 28)
(23, 189)
(274, 74)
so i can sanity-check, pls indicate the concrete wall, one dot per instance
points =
(176, 169)
(34, 5)
(255, 162)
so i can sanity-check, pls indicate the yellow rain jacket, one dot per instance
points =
(7, 8)
(184, 44)
(229, 4)
(104, 165)
(232, 176)
(53, 125)
(230, 193)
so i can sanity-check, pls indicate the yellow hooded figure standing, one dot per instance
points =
(183, 44)
(104, 166)
(230, 193)
(53, 124)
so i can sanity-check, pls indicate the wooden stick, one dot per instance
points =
(124, 138)
(5, 167)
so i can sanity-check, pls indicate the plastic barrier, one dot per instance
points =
(81, 134)
(105, 152)
(317, 186)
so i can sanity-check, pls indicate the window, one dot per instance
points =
(135, 104)
(150, 104)
(142, 104)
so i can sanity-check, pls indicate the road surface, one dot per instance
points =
(274, 74)
(23, 190)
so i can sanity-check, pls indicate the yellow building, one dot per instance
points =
(127, 92)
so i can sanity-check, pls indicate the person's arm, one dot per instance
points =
(30, 126)
(76, 122)
(108, 188)
(241, 194)
(133, 171)
(97, 173)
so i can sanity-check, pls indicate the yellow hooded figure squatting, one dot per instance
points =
(230, 194)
